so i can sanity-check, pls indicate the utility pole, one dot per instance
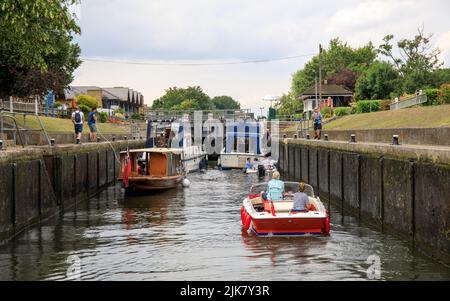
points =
(320, 74)
(261, 108)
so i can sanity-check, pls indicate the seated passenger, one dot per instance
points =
(275, 188)
(255, 163)
(300, 200)
(248, 165)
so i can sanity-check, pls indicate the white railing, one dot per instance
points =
(416, 100)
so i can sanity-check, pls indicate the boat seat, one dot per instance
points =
(256, 201)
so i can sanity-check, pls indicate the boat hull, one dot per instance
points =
(153, 184)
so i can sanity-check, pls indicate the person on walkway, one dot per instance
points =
(275, 188)
(92, 122)
(78, 119)
(317, 119)
(301, 200)
(248, 165)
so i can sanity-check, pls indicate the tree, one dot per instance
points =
(191, 98)
(338, 57)
(345, 78)
(36, 48)
(378, 82)
(225, 103)
(288, 105)
(416, 61)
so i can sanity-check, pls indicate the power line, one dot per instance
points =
(256, 61)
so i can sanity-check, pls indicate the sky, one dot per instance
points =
(162, 33)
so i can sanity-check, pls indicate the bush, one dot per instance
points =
(366, 106)
(385, 105)
(85, 109)
(325, 112)
(103, 117)
(86, 100)
(342, 111)
(432, 96)
(137, 117)
(444, 94)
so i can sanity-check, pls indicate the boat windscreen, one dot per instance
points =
(289, 187)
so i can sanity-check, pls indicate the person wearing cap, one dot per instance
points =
(301, 200)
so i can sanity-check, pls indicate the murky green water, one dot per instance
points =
(195, 234)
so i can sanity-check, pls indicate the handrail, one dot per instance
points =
(7, 114)
(2, 115)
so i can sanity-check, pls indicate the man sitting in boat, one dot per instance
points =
(255, 163)
(301, 200)
(275, 188)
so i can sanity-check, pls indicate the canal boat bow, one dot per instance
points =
(275, 218)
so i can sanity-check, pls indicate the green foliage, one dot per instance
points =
(191, 98)
(86, 100)
(342, 111)
(432, 96)
(288, 105)
(378, 82)
(444, 94)
(103, 117)
(36, 48)
(137, 117)
(225, 103)
(325, 112)
(338, 57)
(85, 109)
(417, 61)
(366, 106)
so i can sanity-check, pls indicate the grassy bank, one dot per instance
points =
(66, 126)
(422, 117)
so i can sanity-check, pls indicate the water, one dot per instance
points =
(195, 234)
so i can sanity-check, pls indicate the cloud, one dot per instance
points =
(443, 43)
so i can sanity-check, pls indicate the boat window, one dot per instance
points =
(289, 187)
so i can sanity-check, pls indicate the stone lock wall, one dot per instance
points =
(402, 190)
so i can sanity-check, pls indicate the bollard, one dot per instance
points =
(1, 145)
(326, 137)
(353, 138)
(98, 139)
(114, 138)
(295, 136)
(395, 140)
(52, 142)
(307, 136)
(124, 137)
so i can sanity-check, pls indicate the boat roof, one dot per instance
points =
(176, 151)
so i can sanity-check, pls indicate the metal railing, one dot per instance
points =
(217, 114)
(415, 100)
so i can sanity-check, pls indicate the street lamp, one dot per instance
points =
(261, 108)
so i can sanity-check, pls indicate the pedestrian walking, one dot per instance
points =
(317, 120)
(92, 123)
(78, 119)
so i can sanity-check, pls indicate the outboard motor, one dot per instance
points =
(261, 170)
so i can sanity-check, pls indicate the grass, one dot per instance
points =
(419, 117)
(65, 125)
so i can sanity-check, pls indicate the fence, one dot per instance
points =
(416, 100)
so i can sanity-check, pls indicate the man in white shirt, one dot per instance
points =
(78, 119)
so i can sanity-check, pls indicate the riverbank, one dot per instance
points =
(39, 182)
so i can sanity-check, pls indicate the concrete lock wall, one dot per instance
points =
(400, 190)
(37, 183)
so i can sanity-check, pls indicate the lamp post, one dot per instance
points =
(261, 108)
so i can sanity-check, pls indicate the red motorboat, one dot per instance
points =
(275, 218)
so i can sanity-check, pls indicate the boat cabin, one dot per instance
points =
(151, 163)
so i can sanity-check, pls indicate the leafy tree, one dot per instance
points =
(288, 105)
(417, 60)
(444, 94)
(191, 98)
(378, 82)
(345, 78)
(36, 48)
(225, 103)
(338, 57)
